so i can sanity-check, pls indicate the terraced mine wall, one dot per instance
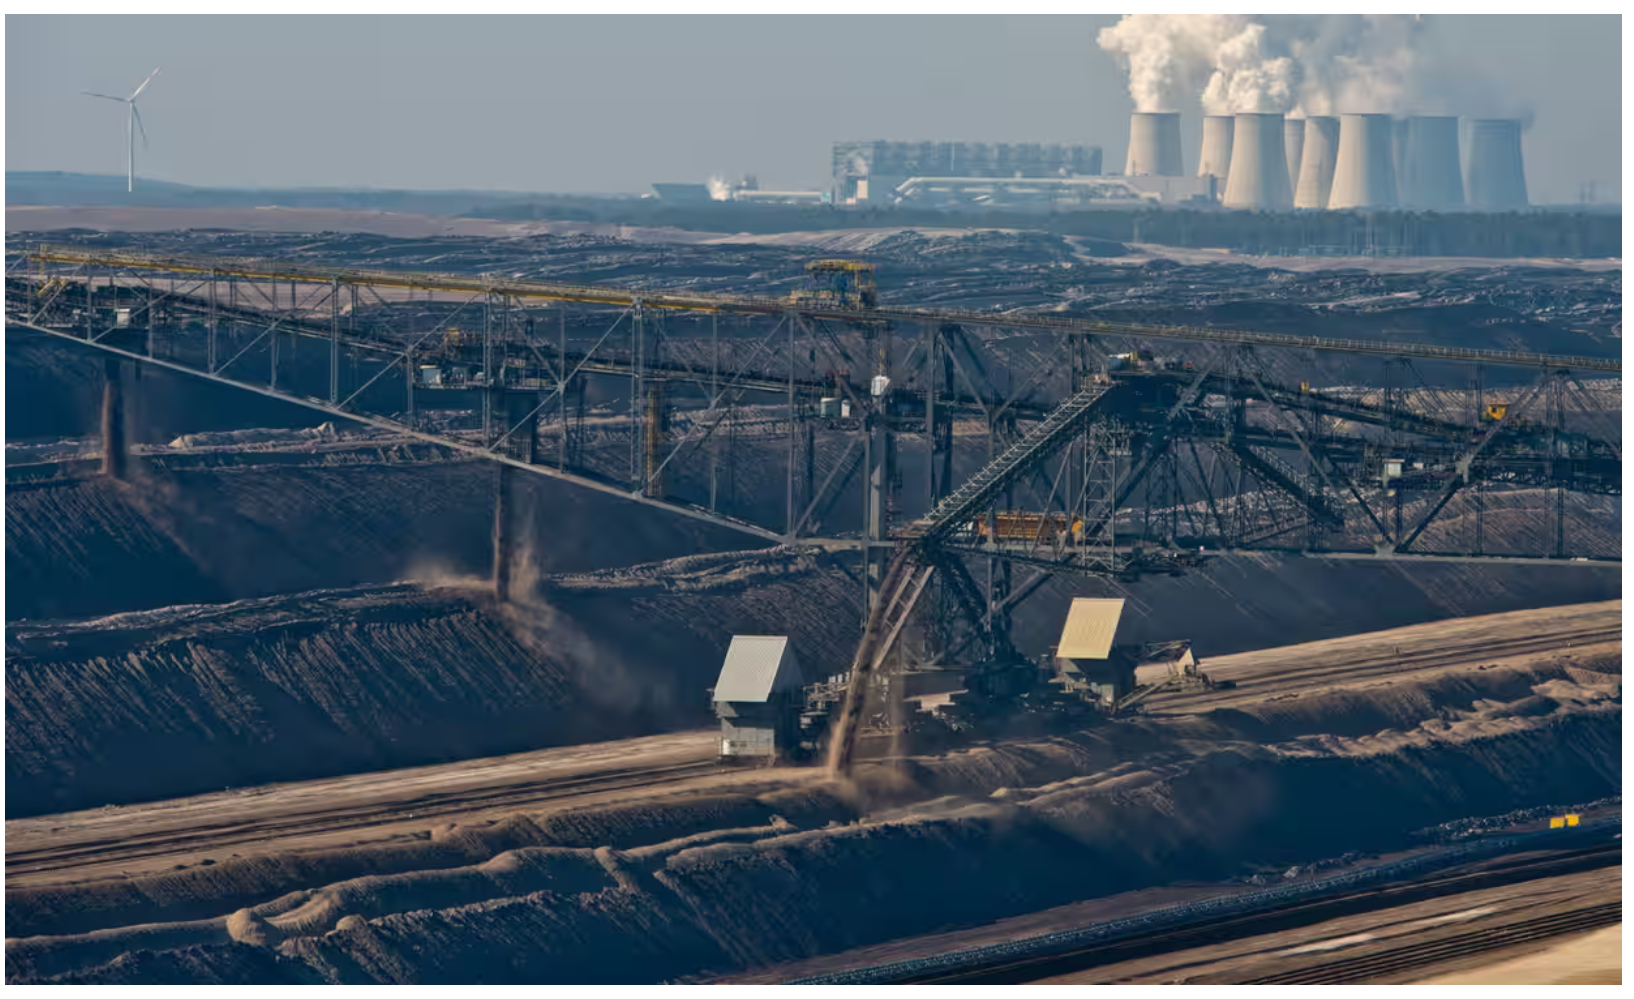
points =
(54, 389)
(1264, 601)
(950, 841)
(168, 684)
(209, 528)
(86, 545)
(195, 698)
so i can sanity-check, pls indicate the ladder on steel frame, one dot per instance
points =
(905, 579)
(1009, 466)
(1286, 479)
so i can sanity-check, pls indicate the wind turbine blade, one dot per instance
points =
(145, 83)
(138, 115)
(105, 97)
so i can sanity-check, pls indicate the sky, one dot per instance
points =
(612, 104)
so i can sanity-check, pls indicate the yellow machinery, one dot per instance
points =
(1015, 525)
(845, 284)
(1495, 412)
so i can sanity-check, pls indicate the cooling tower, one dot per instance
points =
(1154, 144)
(1398, 150)
(1258, 177)
(1431, 178)
(1495, 179)
(1364, 175)
(1317, 163)
(1293, 146)
(1215, 157)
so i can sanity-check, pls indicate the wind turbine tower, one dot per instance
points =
(133, 124)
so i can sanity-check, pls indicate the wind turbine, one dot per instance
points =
(133, 124)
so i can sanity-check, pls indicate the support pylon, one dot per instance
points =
(115, 441)
(502, 535)
(656, 419)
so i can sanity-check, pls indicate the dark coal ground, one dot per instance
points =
(943, 842)
(307, 661)
(267, 521)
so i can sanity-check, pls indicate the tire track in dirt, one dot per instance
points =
(362, 816)
(1292, 680)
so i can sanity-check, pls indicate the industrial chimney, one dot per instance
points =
(1431, 178)
(1293, 146)
(1259, 168)
(1154, 144)
(1364, 175)
(1495, 179)
(1317, 163)
(1215, 158)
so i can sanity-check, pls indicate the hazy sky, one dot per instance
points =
(609, 104)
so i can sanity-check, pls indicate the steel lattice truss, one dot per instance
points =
(946, 439)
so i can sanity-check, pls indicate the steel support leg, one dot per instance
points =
(115, 442)
(502, 535)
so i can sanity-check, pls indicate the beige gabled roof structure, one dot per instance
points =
(756, 667)
(1092, 623)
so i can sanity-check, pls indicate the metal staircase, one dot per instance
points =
(1278, 474)
(1002, 471)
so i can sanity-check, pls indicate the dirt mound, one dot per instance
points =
(280, 886)
(83, 546)
(222, 964)
(1267, 601)
(818, 891)
(190, 699)
(54, 389)
(1005, 829)
(55, 571)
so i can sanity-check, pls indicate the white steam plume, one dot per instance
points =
(1288, 63)
(1169, 56)
(1248, 76)
(1353, 63)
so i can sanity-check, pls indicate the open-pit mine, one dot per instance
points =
(532, 605)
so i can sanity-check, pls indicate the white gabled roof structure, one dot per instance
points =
(756, 667)
(1092, 624)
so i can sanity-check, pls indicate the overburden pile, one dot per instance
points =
(182, 700)
(689, 887)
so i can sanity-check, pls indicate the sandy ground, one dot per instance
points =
(1585, 632)
(115, 841)
(45, 218)
(1376, 265)
(1379, 932)
(394, 804)
(1593, 959)
(272, 218)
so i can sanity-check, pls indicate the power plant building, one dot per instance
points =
(691, 194)
(871, 171)
(1255, 161)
